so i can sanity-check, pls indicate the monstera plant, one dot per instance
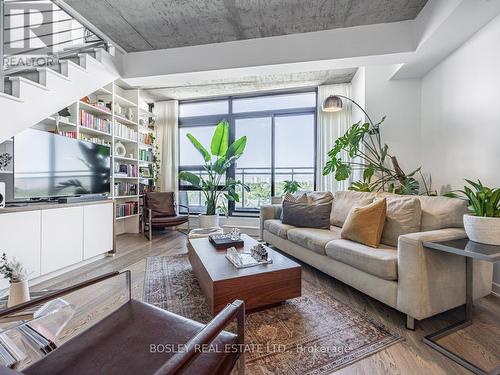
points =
(362, 144)
(222, 155)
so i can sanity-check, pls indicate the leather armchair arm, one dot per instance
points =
(59, 293)
(181, 360)
(186, 207)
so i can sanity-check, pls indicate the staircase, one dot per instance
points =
(78, 62)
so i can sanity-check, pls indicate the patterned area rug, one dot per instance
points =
(313, 334)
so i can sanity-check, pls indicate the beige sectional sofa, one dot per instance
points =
(401, 273)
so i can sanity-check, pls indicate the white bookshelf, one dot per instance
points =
(127, 109)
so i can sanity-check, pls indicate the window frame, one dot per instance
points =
(211, 120)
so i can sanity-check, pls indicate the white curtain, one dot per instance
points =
(167, 125)
(330, 126)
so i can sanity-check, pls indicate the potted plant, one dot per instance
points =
(290, 187)
(483, 223)
(17, 275)
(221, 156)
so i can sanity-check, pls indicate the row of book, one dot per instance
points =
(146, 138)
(88, 120)
(126, 209)
(125, 188)
(125, 170)
(96, 140)
(123, 131)
(145, 155)
(68, 134)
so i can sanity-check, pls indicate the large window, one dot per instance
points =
(281, 144)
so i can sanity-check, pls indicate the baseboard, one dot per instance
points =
(495, 289)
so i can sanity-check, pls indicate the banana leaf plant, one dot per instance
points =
(222, 155)
(363, 145)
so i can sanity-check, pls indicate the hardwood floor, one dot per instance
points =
(478, 343)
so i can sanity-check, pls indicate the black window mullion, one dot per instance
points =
(273, 156)
(231, 172)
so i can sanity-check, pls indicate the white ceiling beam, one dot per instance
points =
(339, 45)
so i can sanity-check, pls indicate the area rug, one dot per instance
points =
(313, 334)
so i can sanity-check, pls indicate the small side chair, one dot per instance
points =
(160, 211)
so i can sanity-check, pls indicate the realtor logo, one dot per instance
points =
(29, 28)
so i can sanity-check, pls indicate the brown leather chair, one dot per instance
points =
(137, 338)
(161, 211)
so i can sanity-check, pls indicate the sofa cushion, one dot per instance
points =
(381, 262)
(275, 226)
(319, 197)
(365, 224)
(344, 201)
(403, 216)
(307, 215)
(312, 238)
(442, 212)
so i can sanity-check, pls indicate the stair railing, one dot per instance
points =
(62, 32)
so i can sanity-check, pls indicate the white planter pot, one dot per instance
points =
(209, 221)
(19, 292)
(482, 229)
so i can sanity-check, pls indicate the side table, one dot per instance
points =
(470, 250)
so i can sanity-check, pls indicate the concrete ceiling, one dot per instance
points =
(249, 84)
(160, 24)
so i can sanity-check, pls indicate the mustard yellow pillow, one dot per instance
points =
(365, 224)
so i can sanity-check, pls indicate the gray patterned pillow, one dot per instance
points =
(306, 215)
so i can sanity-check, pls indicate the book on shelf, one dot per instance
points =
(88, 120)
(123, 131)
(125, 170)
(125, 188)
(126, 209)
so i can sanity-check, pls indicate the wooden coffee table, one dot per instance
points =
(260, 286)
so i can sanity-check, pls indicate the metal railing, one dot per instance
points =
(38, 33)
(257, 178)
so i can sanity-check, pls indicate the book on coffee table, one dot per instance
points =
(224, 241)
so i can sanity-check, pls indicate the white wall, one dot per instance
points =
(399, 100)
(358, 94)
(461, 115)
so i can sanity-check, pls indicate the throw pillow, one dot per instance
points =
(404, 215)
(306, 215)
(365, 224)
(297, 198)
(319, 197)
(344, 201)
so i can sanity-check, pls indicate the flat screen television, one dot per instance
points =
(47, 165)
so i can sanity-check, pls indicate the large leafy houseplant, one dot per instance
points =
(483, 224)
(222, 155)
(366, 153)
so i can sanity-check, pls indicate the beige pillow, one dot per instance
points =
(319, 197)
(442, 212)
(365, 224)
(403, 216)
(344, 201)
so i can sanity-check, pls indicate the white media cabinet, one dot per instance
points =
(50, 237)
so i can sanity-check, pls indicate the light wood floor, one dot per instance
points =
(479, 343)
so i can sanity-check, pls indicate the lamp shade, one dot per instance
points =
(332, 104)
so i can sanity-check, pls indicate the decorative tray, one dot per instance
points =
(223, 241)
(244, 259)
